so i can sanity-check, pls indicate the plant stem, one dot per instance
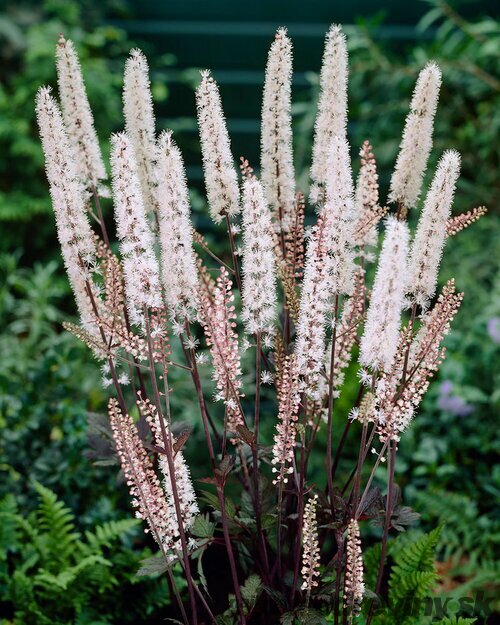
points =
(255, 455)
(330, 408)
(339, 537)
(300, 503)
(233, 252)
(388, 514)
(343, 438)
(359, 468)
(167, 442)
(370, 480)
(232, 563)
(97, 204)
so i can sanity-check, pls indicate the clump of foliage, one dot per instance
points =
(50, 573)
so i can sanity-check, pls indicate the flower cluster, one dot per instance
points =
(354, 587)
(181, 478)
(278, 177)
(339, 216)
(147, 495)
(259, 266)
(77, 114)
(427, 247)
(416, 143)
(314, 305)
(400, 390)
(331, 119)
(347, 330)
(368, 212)
(459, 222)
(176, 233)
(140, 124)
(288, 409)
(380, 338)
(220, 175)
(310, 556)
(140, 266)
(217, 317)
(68, 201)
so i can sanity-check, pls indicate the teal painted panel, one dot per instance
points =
(281, 11)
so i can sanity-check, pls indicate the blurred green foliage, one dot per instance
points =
(52, 574)
(28, 36)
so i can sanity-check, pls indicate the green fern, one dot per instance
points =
(107, 534)
(51, 575)
(412, 576)
(9, 533)
(56, 522)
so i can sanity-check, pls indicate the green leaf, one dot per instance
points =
(155, 565)
(203, 527)
(251, 590)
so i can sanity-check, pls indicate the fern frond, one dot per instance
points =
(417, 555)
(414, 586)
(56, 523)
(8, 525)
(108, 533)
(412, 576)
(68, 576)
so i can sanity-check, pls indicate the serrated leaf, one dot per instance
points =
(203, 527)
(251, 590)
(155, 565)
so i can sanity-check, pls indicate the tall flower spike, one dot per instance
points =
(147, 495)
(368, 212)
(258, 267)
(77, 115)
(420, 356)
(310, 557)
(416, 144)
(354, 587)
(73, 227)
(221, 180)
(331, 118)
(314, 304)
(179, 273)
(431, 234)
(276, 161)
(380, 339)
(339, 207)
(286, 428)
(140, 266)
(217, 316)
(182, 477)
(140, 124)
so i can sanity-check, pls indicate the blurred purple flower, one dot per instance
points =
(453, 403)
(446, 387)
(494, 329)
